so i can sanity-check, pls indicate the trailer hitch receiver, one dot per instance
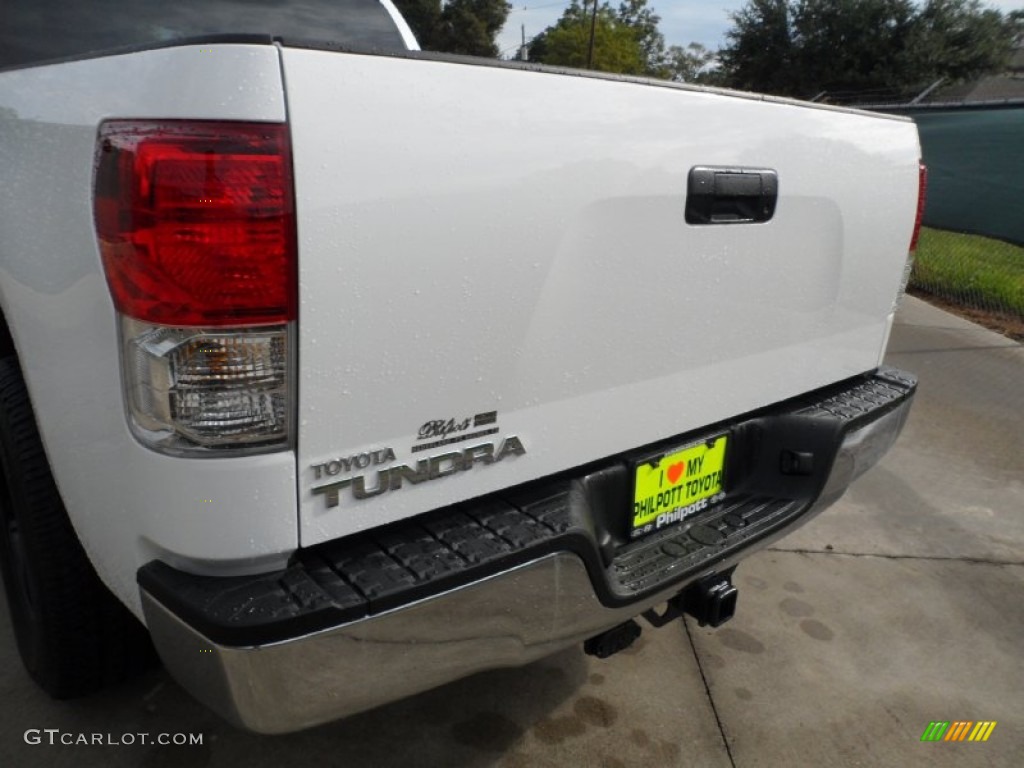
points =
(711, 601)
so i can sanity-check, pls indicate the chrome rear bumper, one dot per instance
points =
(509, 618)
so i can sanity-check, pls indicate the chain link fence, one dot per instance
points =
(978, 272)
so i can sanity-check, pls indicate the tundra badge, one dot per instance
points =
(441, 465)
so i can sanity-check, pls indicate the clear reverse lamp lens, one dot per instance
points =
(192, 389)
(908, 270)
(908, 267)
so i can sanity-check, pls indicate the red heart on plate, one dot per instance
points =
(675, 472)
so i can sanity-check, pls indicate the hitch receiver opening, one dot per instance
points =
(712, 604)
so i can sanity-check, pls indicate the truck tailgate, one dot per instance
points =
(489, 252)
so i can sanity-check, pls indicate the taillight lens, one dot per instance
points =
(196, 228)
(908, 267)
(922, 194)
(196, 221)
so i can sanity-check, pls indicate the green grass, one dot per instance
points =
(970, 269)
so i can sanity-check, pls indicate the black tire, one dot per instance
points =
(73, 635)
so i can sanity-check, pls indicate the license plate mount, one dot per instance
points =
(672, 487)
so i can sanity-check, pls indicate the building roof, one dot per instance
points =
(990, 88)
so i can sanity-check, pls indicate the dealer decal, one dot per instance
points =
(438, 432)
(678, 485)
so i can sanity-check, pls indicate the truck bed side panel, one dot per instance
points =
(128, 504)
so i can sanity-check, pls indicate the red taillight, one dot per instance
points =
(196, 221)
(922, 189)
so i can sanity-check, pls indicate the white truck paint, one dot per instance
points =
(471, 239)
(128, 503)
(523, 249)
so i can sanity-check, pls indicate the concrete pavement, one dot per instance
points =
(904, 603)
(901, 605)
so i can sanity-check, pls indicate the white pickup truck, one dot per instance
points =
(347, 370)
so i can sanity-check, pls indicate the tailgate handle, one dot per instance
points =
(730, 195)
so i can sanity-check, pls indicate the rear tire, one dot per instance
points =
(72, 633)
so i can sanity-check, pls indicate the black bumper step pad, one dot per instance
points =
(684, 549)
(347, 579)
(885, 389)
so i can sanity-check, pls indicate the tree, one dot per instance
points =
(687, 65)
(567, 42)
(802, 47)
(459, 26)
(644, 22)
(759, 52)
(1015, 19)
(960, 40)
(851, 45)
(627, 41)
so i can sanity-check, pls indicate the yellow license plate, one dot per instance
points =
(678, 485)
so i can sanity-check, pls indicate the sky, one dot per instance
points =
(682, 21)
